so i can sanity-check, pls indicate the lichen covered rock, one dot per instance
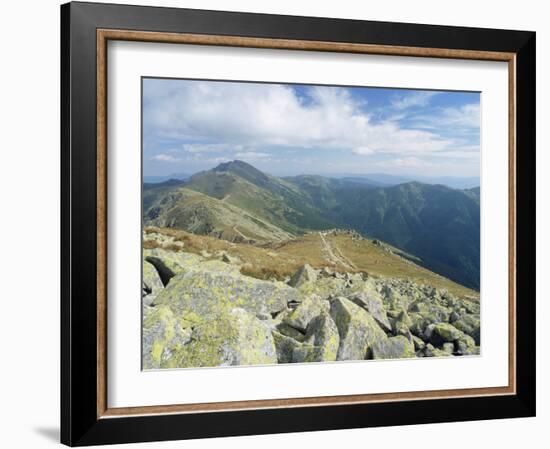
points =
(442, 333)
(418, 343)
(431, 351)
(284, 347)
(402, 325)
(310, 307)
(322, 333)
(170, 263)
(303, 275)
(163, 334)
(466, 345)
(152, 285)
(470, 325)
(233, 337)
(199, 310)
(289, 331)
(306, 353)
(324, 287)
(371, 301)
(357, 329)
(393, 348)
(206, 290)
(431, 311)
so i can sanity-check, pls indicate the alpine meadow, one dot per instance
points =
(288, 223)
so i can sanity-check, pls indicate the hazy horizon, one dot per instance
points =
(327, 174)
(288, 130)
(451, 181)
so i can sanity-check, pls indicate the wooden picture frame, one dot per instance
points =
(85, 416)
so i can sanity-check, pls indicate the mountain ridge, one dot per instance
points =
(436, 223)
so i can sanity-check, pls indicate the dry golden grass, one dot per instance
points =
(378, 261)
(179, 236)
(280, 260)
(264, 272)
(259, 262)
(151, 244)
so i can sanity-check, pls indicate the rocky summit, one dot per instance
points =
(201, 309)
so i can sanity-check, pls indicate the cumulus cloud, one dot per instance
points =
(267, 115)
(213, 160)
(164, 157)
(252, 155)
(209, 147)
(411, 100)
(465, 117)
(409, 162)
(364, 151)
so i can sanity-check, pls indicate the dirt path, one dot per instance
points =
(240, 233)
(334, 255)
(343, 258)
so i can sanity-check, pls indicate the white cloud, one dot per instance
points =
(213, 160)
(460, 153)
(209, 147)
(364, 151)
(465, 117)
(252, 155)
(260, 115)
(410, 100)
(163, 157)
(409, 162)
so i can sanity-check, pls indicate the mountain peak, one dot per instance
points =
(235, 165)
(243, 170)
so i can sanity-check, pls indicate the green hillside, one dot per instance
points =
(273, 199)
(192, 211)
(438, 224)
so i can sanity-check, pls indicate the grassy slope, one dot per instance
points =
(152, 192)
(273, 199)
(284, 258)
(201, 214)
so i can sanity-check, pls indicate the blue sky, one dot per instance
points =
(287, 129)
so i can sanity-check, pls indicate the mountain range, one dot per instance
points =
(386, 180)
(155, 179)
(373, 179)
(437, 224)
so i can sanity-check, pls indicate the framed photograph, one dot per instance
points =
(281, 224)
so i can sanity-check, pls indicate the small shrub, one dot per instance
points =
(172, 247)
(264, 273)
(151, 244)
